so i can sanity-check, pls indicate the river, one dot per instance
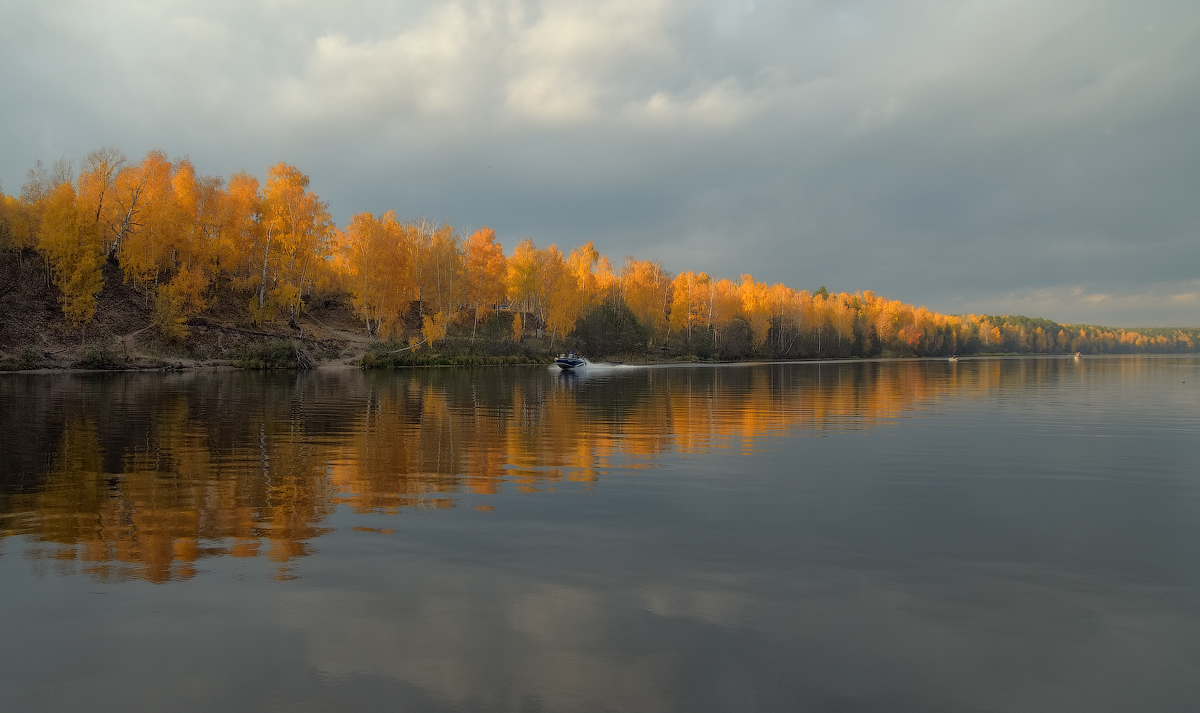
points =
(915, 535)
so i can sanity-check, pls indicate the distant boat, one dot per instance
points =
(1077, 356)
(954, 358)
(569, 361)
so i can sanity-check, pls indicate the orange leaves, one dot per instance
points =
(145, 222)
(524, 280)
(570, 285)
(553, 288)
(19, 224)
(442, 271)
(237, 228)
(647, 289)
(484, 271)
(183, 297)
(173, 232)
(758, 304)
(691, 305)
(375, 262)
(176, 234)
(71, 241)
(485, 267)
(559, 296)
(434, 327)
(295, 233)
(187, 288)
(97, 182)
(842, 315)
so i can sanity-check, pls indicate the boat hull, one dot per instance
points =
(569, 363)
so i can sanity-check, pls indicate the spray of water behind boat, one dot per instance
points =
(575, 366)
(570, 361)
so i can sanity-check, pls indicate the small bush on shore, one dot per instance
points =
(378, 359)
(100, 358)
(27, 358)
(456, 351)
(275, 354)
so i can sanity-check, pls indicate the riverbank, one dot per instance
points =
(130, 331)
(434, 361)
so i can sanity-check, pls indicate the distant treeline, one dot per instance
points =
(187, 241)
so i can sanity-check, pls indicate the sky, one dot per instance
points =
(998, 157)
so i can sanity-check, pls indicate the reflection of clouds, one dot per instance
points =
(958, 636)
(717, 601)
(952, 636)
(486, 640)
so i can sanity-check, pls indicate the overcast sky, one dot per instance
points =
(1035, 157)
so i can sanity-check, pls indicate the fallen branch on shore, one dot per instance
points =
(404, 349)
(302, 360)
(204, 323)
(326, 326)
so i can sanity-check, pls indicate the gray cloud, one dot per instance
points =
(969, 156)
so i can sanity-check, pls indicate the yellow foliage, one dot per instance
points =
(73, 246)
(647, 288)
(375, 262)
(168, 317)
(186, 290)
(691, 303)
(484, 273)
(434, 328)
(277, 245)
(523, 276)
(18, 224)
(296, 232)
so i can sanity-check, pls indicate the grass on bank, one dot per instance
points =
(26, 358)
(273, 354)
(453, 352)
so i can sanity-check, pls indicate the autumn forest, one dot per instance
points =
(202, 253)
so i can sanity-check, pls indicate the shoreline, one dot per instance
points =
(226, 365)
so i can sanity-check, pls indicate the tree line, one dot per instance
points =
(185, 240)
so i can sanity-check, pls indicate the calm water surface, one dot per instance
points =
(991, 535)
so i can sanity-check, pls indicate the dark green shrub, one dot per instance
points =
(28, 358)
(608, 328)
(100, 358)
(381, 357)
(700, 344)
(737, 339)
(275, 354)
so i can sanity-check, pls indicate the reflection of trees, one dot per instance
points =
(142, 475)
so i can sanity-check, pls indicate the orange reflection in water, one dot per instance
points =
(141, 476)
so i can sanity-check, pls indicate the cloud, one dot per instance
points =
(1160, 305)
(568, 64)
(558, 63)
(430, 70)
(721, 105)
(947, 154)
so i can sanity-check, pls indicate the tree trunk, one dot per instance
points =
(262, 288)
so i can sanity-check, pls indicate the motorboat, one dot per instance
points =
(569, 361)
(953, 358)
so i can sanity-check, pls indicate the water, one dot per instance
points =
(991, 535)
